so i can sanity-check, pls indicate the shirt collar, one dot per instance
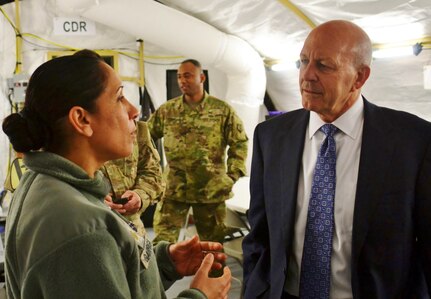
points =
(201, 105)
(349, 122)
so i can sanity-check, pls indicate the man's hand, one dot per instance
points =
(131, 207)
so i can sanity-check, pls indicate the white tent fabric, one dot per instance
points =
(228, 53)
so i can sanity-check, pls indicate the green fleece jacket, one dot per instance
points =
(62, 241)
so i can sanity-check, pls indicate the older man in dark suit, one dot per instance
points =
(340, 190)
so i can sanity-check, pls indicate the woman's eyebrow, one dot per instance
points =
(119, 89)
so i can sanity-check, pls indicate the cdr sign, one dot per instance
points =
(74, 26)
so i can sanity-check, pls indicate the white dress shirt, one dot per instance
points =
(348, 143)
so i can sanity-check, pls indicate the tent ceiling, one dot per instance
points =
(277, 32)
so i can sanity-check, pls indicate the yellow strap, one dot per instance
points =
(16, 170)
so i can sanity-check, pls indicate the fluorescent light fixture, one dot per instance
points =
(391, 29)
(393, 52)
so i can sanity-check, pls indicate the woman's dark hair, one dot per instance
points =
(54, 88)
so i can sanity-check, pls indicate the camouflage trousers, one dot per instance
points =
(170, 217)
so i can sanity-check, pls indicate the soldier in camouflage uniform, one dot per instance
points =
(137, 177)
(197, 129)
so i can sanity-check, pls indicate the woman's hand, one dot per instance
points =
(188, 255)
(193, 256)
(213, 288)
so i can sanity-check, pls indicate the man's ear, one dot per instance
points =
(362, 76)
(79, 119)
(203, 77)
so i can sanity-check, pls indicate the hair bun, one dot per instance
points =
(25, 134)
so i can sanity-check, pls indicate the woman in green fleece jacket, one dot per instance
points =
(62, 241)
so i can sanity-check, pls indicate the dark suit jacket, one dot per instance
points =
(391, 242)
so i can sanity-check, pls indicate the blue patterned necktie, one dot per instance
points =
(316, 255)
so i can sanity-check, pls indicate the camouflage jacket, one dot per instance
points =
(195, 142)
(140, 172)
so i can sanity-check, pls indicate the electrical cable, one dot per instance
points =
(9, 20)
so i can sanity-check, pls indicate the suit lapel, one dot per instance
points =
(291, 150)
(376, 151)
